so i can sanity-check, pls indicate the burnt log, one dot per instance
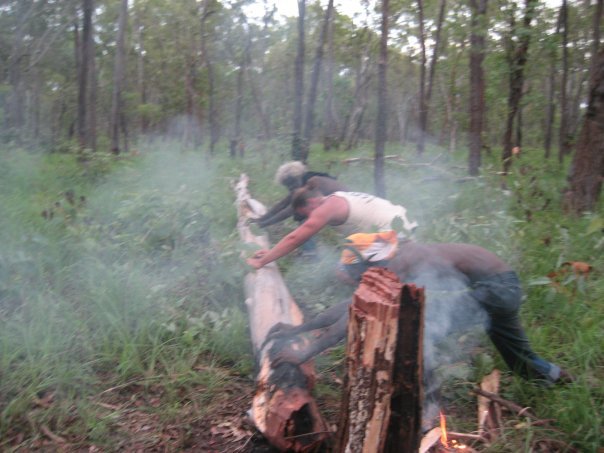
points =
(381, 405)
(283, 408)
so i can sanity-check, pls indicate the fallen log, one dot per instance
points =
(283, 409)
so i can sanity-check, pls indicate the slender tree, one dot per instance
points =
(426, 86)
(423, 108)
(381, 126)
(518, 59)
(330, 122)
(309, 123)
(563, 137)
(207, 10)
(477, 83)
(297, 145)
(551, 91)
(117, 102)
(86, 56)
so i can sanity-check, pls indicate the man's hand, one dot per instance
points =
(279, 331)
(256, 260)
(288, 355)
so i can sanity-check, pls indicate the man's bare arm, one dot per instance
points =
(307, 347)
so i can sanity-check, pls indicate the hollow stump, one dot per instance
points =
(381, 405)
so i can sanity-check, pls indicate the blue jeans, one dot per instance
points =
(501, 296)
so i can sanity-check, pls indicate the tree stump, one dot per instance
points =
(383, 387)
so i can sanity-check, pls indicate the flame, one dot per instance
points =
(443, 436)
(443, 430)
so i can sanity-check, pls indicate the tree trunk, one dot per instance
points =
(257, 95)
(477, 83)
(330, 124)
(433, 60)
(563, 137)
(140, 73)
(297, 145)
(117, 102)
(213, 119)
(518, 59)
(283, 409)
(381, 127)
(551, 96)
(423, 109)
(314, 82)
(15, 113)
(83, 73)
(587, 169)
(360, 99)
(236, 143)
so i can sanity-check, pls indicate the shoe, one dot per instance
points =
(565, 378)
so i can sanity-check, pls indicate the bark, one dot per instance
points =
(423, 109)
(117, 103)
(381, 127)
(563, 137)
(518, 59)
(283, 409)
(297, 145)
(309, 124)
(587, 169)
(477, 83)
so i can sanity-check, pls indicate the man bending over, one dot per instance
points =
(489, 281)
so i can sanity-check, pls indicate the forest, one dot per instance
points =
(125, 125)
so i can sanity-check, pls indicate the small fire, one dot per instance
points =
(443, 430)
(443, 436)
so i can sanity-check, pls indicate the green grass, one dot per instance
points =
(138, 289)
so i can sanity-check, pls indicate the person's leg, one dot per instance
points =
(501, 300)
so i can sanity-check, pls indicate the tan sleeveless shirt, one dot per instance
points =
(368, 213)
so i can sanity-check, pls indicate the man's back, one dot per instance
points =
(474, 262)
